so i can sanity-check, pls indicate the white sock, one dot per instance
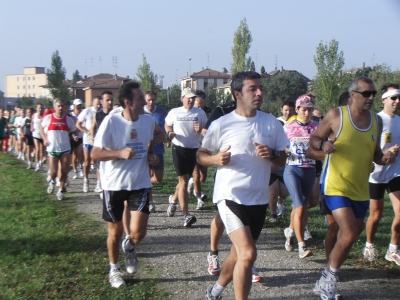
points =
(115, 266)
(128, 245)
(280, 205)
(392, 248)
(302, 244)
(98, 182)
(332, 272)
(368, 245)
(217, 290)
(199, 199)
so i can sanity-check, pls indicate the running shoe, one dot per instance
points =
(202, 195)
(126, 237)
(101, 195)
(326, 290)
(280, 210)
(304, 252)
(57, 181)
(85, 185)
(22, 156)
(190, 186)
(189, 220)
(289, 235)
(131, 260)
(172, 207)
(60, 195)
(211, 297)
(254, 276)
(370, 253)
(307, 234)
(75, 176)
(97, 189)
(115, 278)
(50, 188)
(213, 264)
(200, 205)
(81, 173)
(91, 167)
(48, 179)
(273, 218)
(393, 256)
(29, 165)
(37, 167)
(67, 182)
(152, 207)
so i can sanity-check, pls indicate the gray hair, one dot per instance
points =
(58, 100)
(354, 84)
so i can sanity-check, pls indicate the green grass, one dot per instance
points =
(49, 251)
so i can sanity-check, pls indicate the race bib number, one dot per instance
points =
(298, 149)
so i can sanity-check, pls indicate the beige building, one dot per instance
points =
(27, 84)
(201, 80)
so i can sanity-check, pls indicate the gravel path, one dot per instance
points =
(178, 255)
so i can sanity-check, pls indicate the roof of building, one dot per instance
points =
(276, 72)
(103, 80)
(208, 73)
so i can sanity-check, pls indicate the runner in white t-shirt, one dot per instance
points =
(122, 145)
(37, 137)
(55, 131)
(84, 124)
(183, 126)
(248, 141)
(386, 177)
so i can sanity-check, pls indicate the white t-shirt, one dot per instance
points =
(86, 116)
(245, 179)
(282, 119)
(116, 133)
(57, 132)
(75, 117)
(182, 120)
(390, 137)
(19, 121)
(36, 126)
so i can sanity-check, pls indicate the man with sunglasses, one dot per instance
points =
(386, 177)
(350, 136)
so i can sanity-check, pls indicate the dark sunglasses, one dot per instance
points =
(395, 97)
(366, 94)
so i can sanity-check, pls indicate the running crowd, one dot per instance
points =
(343, 161)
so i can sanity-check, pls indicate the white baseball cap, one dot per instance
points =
(77, 102)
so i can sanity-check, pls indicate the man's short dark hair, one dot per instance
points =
(344, 98)
(200, 93)
(98, 98)
(107, 93)
(148, 93)
(288, 103)
(386, 86)
(238, 78)
(354, 84)
(125, 92)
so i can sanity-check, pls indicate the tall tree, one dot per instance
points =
(241, 45)
(76, 77)
(329, 62)
(262, 70)
(146, 76)
(252, 66)
(56, 78)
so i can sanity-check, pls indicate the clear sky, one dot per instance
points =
(170, 32)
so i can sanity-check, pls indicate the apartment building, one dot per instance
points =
(28, 84)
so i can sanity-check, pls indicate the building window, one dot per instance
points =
(34, 95)
(17, 78)
(29, 86)
(29, 78)
(225, 81)
(23, 87)
(18, 96)
(17, 87)
(33, 86)
(33, 78)
(205, 83)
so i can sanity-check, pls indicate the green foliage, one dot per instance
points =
(46, 101)
(329, 63)
(25, 102)
(146, 76)
(76, 77)
(285, 86)
(170, 97)
(262, 70)
(241, 45)
(56, 79)
(252, 67)
(215, 97)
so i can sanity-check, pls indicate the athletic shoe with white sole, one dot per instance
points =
(85, 185)
(200, 205)
(280, 210)
(255, 277)
(57, 181)
(213, 264)
(172, 207)
(60, 195)
(289, 235)
(37, 167)
(370, 253)
(326, 290)
(211, 297)
(393, 256)
(115, 278)
(202, 195)
(307, 234)
(152, 207)
(98, 189)
(189, 220)
(75, 176)
(131, 260)
(50, 188)
(304, 252)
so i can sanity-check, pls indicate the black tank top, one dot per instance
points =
(100, 115)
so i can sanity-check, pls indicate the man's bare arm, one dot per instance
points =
(94, 125)
(160, 135)
(207, 159)
(326, 129)
(100, 154)
(315, 154)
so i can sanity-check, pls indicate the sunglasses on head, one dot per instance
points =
(395, 97)
(366, 94)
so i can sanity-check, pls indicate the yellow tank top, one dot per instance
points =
(346, 171)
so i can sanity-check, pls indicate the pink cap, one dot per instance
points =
(305, 101)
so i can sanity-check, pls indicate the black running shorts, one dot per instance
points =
(113, 203)
(377, 190)
(184, 160)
